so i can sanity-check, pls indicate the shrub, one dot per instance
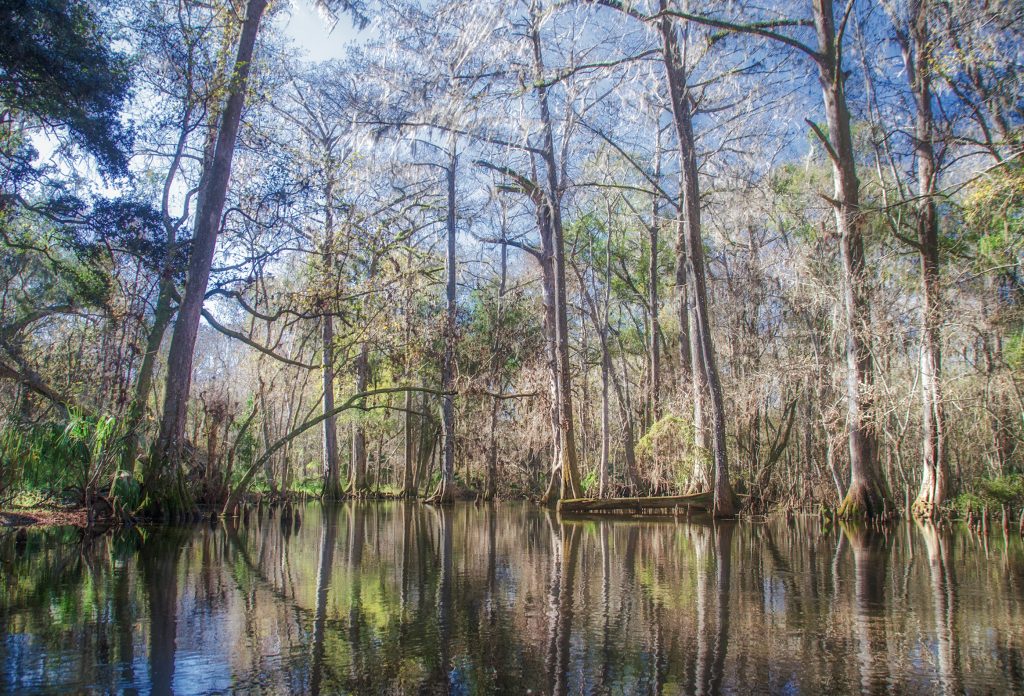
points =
(49, 457)
(666, 452)
(994, 493)
(589, 483)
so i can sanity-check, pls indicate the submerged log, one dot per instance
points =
(576, 505)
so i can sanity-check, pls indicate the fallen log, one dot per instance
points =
(580, 505)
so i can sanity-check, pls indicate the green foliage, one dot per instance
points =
(95, 437)
(795, 185)
(309, 486)
(993, 493)
(57, 65)
(504, 335)
(993, 216)
(46, 271)
(60, 76)
(10, 465)
(668, 448)
(37, 458)
(994, 205)
(1013, 351)
(50, 457)
(247, 446)
(590, 483)
(128, 491)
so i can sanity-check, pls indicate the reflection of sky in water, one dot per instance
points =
(196, 672)
(205, 631)
(774, 596)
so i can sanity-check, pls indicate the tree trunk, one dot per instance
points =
(606, 366)
(702, 457)
(606, 369)
(567, 451)
(409, 462)
(331, 474)
(569, 464)
(409, 447)
(683, 305)
(268, 468)
(444, 493)
(934, 469)
(654, 349)
(161, 483)
(551, 351)
(162, 314)
(628, 424)
(357, 485)
(496, 382)
(426, 445)
(691, 377)
(724, 503)
(866, 495)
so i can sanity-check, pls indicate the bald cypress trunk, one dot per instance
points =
(705, 361)
(445, 487)
(332, 480)
(918, 59)
(654, 347)
(357, 484)
(866, 496)
(409, 461)
(496, 383)
(553, 491)
(570, 483)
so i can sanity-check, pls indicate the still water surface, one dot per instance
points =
(404, 598)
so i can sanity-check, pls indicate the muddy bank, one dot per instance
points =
(43, 517)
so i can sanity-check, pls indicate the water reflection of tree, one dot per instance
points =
(158, 559)
(723, 557)
(356, 620)
(124, 620)
(444, 595)
(870, 561)
(712, 607)
(52, 582)
(607, 644)
(943, 586)
(568, 540)
(328, 532)
(554, 592)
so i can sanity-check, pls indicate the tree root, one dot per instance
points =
(862, 502)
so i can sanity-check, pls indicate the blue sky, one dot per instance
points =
(312, 33)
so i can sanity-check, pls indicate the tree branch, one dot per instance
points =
(755, 28)
(353, 402)
(251, 343)
(824, 140)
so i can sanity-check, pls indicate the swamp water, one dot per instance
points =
(404, 598)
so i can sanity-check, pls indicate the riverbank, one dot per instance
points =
(41, 516)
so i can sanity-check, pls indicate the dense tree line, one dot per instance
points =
(514, 249)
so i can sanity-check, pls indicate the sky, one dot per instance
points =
(312, 33)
